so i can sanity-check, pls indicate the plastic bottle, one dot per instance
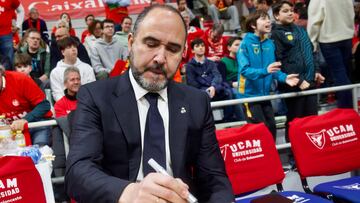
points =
(20, 138)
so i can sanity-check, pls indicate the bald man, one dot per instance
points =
(122, 122)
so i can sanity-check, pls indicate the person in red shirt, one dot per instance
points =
(7, 12)
(15, 34)
(88, 20)
(64, 18)
(215, 43)
(72, 82)
(22, 101)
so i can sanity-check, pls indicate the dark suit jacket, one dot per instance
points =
(105, 145)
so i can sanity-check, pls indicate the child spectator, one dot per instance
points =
(295, 52)
(68, 48)
(72, 82)
(23, 64)
(257, 69)
(203, 74)
(230, 62)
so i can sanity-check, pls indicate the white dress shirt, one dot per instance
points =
(143, 107)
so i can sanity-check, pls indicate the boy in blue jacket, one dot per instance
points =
(257, 69)
(294, 50)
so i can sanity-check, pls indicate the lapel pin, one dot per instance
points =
(183, 110)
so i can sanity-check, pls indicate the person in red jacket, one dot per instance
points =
(22, 101)
(72, 82)
(215, 43)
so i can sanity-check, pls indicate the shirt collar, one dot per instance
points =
(141, 92)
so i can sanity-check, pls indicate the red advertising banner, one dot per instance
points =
(51, 9)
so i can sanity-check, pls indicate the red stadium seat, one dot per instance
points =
(328, 144)
(252, 161)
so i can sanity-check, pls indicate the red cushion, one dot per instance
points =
(20, 181)
(251, 159)
(327, 144)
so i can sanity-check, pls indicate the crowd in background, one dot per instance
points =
(234, 49)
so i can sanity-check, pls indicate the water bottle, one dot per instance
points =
(20, 138)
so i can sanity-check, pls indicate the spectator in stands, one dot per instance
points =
(88, 20)
(331, 25)
(215, 43)
(72, 82)
(95, 31)
(107, 51)
(193, 33)
(224, 9)
(294, 51)
(22, 101)
(15, 35)
(203, 74)
(300, 14)
(36, 23)
(7, 12)
(231, 72)
(64, 21)
(266, 6)
(55, 53)
(39, 56)
(68, 47)
(125, 30)
(22, 64)
(107, 126)
(183, 7)
(232, 67)
(257, 69)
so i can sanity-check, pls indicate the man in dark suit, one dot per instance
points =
(109, 140)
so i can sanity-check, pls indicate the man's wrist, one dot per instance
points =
(129, 193)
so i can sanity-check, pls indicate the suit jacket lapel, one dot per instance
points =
(178, 114)
(126, 111)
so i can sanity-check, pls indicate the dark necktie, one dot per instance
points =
(154, 138)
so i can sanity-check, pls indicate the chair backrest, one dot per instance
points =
(328, 144)
(251, 159)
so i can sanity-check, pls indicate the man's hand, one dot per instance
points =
(211, 91)
(304, 85)
(292, 80)
(274, 67)
(156, 187)
(18, 125)
(319, 79)
(214, 58)
(235, 84)
(43, 78)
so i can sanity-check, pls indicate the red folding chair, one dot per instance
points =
(328, 144)
(252, 162)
